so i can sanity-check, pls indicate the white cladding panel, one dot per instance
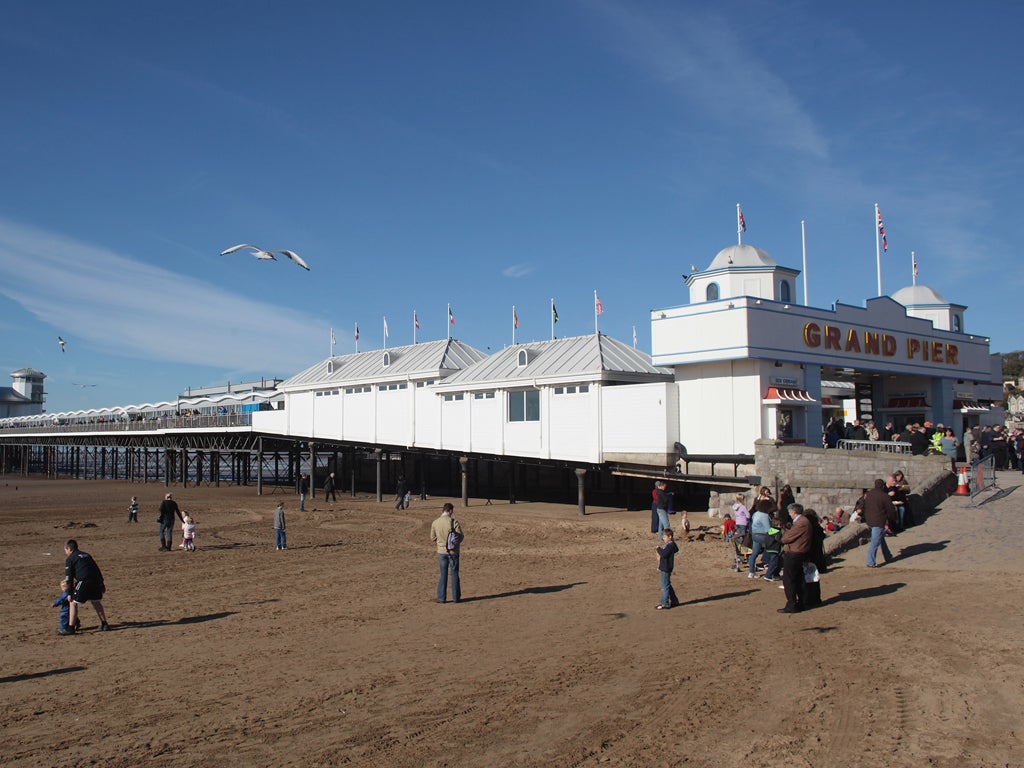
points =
(327, 416)
(358, 419)
(526, 438)
(573, 423)
(640, 418)
(275, 422)
(720, 406)
(427, 413)
(299, 408)
(394, 412)
(716, 333)
(487, 419)
(455, 423)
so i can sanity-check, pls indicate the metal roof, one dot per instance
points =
(577, 359)
(429, 360)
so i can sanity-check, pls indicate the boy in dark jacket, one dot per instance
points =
(666, 562)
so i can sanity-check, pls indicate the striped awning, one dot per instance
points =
(969, 406)
(783, 395)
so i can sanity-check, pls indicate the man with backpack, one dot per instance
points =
(446, 534)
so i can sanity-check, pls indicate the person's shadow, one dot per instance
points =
(37, 675)
(723, 596)
(167, 623)
(862, 594)
(526, 591)
(919, 549)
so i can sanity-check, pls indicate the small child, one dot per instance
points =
(741, 515)
(666, 561)
(133, 510)
(728, 527)
(188, 533)
(64, 603)
(685, 525)
(828, 525)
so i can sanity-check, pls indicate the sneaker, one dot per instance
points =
(767, 578)
(104, 627)
(66, 632)
(750, 575)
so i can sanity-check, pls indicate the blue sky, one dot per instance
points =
(486, 155)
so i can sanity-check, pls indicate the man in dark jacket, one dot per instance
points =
(86, 584)
(796, 544)
(879, 512)
(168, 510)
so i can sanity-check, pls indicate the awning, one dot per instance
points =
(789, 395)
(907, 402)
(970, 406)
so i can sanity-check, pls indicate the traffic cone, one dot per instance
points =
(962, 488)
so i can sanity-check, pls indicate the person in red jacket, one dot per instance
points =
(796, 545)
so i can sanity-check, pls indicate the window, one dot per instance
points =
(521, 359)
(711, 294)
(785, 294)
(956, 323)
(450, 398)
(524, 405)
(387, 359)
(330, 366)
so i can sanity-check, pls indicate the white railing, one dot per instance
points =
(878, 446)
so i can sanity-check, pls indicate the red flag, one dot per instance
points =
(515, 318)
(598, 306)
(742, 221)
(451, 317)
(881, 232)
(415, 321)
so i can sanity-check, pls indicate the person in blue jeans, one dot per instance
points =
(64, 603)
(878, 512)
(666, 562)
(661, 502)
(760, 522)
(447, 559)
(282, 541)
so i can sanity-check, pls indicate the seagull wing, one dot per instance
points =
(61, 341)
(296, 258)
(259, 253)
(238, 247)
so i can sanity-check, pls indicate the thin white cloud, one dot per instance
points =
(126, 307)
(517, 270)
(698, 54)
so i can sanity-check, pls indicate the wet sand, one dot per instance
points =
(332, 653)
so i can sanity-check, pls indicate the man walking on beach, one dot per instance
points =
(796, 544)
(303, 491)
(447, 553)
(86, 584)
(879, 511)
(168, 510)
(329, 494)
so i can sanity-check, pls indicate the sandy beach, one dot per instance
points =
(332, 653)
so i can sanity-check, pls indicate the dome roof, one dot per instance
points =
(917, 295)
(741, 256)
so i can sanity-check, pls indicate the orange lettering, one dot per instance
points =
(832, 338)
(951, 354)
(870, 343)
(852, 342)
(913, 347)
(937, 351)
(888, 345)
(812, 335)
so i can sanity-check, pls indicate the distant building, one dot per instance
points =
(26, 397)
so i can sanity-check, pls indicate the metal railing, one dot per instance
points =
(218, 421)
(878, 446)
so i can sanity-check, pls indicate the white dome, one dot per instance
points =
(741, 256)
(918, 295)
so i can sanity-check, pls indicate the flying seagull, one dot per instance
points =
(83, 386)
(265, 255)
(61, 341)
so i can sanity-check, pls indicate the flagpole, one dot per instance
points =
(357, 338)
(414, 324)
(332, 342)
(513, 325)
(385, 332)
(449, 321)
(552, 319)
(739, 226)
(803, 238)
(595, 314)
(913, 266)
(878, 249)
(634, 337)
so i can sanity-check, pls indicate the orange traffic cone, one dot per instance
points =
(962, 488)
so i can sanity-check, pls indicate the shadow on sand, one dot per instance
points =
(862, 594)
(167, 623)
(37, 675)
(715, 598)
(919, 549)
(527, 591)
